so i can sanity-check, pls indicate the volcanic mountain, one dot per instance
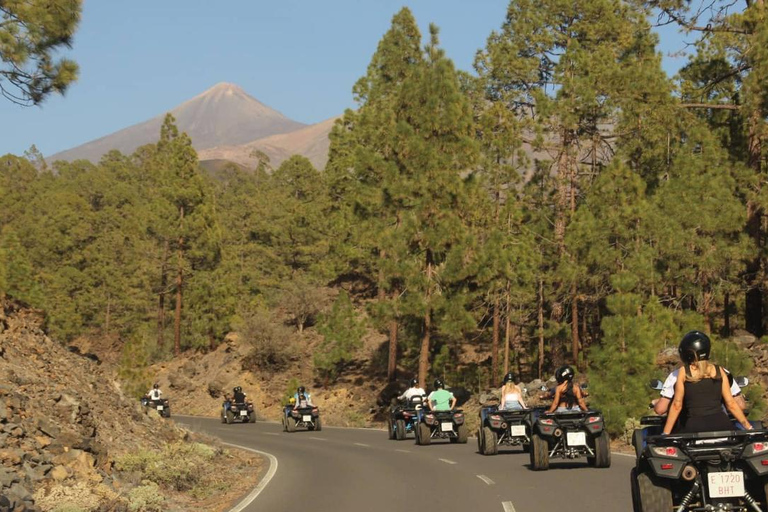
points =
(224, 115)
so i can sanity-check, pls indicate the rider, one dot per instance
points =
(289, 407)
(412, 391)
(302, 398)
(567, 394)
(238, 396)
(440, 399)
(511, 395)
(154, 394)
(701, 391)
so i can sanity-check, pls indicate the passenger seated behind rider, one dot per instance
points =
(412, 391)
(238, 396)
(511, 395)
(701, 391)
(303, 399)
(568, 396)
(441, 399)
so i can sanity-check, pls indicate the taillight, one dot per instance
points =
(759, 447)
(496, 417)
(406, 415)
(665, 451)
(593, 419)
(667, 466)
(314, 411)
(545, 421)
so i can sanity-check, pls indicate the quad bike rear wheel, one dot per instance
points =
(230, 417)
(602, 458)
(423, 434)
(252, 417)
(400, 430)
(539, 453)
(490, 442)
(290, 424)
(318, 425)
(653, 494)
(390, 428)
(462, 434)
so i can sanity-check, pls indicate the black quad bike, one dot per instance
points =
(232, 412)
(162, 406)
(569, 435)
(441, 425)
(503, 428)
(403, 417)
(710, 471)
(303, 417)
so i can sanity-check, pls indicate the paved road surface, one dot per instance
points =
(340, 470)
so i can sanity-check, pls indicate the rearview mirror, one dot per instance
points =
(656, 384)
(742, 381)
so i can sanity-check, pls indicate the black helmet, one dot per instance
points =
(414, 383)
(509, 378)
(301, 389)
(564, 373)
(695, 346)
(439, 384)
(237, 389)
(156, 385)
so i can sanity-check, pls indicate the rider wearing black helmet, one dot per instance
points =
(567, 394)
(302, 398)
(661, 404)
(441, 399)
(154, 394)
(701, 390)
(412, 391)
(511, 394)
(238, 396)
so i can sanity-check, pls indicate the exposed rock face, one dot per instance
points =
(62, 420)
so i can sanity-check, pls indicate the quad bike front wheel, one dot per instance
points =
(490, 446)
(423, 435)
(400, 430)
(462, 434)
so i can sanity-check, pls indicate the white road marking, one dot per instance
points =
(508, 506)
(264, 481)
(448, 461)
(270, 433)
(318, 438)
(363, 445)
(486, 479)
(403, 451)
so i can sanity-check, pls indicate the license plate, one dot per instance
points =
(446, 427)
(306, 417)
(726, 484)
(517, 430)
(243, 413)
(576, 438)
(159, 407)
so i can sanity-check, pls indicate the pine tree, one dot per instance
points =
(342, 334)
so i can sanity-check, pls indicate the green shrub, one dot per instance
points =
(146, 498)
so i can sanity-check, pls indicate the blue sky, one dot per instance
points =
(141, 58)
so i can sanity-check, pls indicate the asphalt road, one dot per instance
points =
(340, 470)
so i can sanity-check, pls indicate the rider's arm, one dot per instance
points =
(580, 398)
(520, 398)
(677, 405)
(662, 405)
(739, 399)
(730, 403)
(555, 400)
(453, 401)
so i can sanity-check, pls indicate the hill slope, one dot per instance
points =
(311, 141)
(223, 115)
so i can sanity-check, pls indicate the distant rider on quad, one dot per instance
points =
(302, 398)
(440, 399)
(238, 396)
(412, 391)
(568, 396)
(154, 394)
(511, 395)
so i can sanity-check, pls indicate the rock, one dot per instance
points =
(7, 477)
(11, 456)
(43, 441)
(744, 338)
(48, 428)
(19, 496)
(59, 473)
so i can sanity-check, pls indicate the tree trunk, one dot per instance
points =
(575, 324)
(424, 352)
(179, 285)
(754, 309)
(507, 326)
(541, 328)
(161, 298)
(392, 362)
(495, 343)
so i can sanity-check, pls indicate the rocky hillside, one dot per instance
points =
(65, 427)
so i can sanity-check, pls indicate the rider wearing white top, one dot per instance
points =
(511, 397)
(412, 391)
(155, 393)
(661, 405)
